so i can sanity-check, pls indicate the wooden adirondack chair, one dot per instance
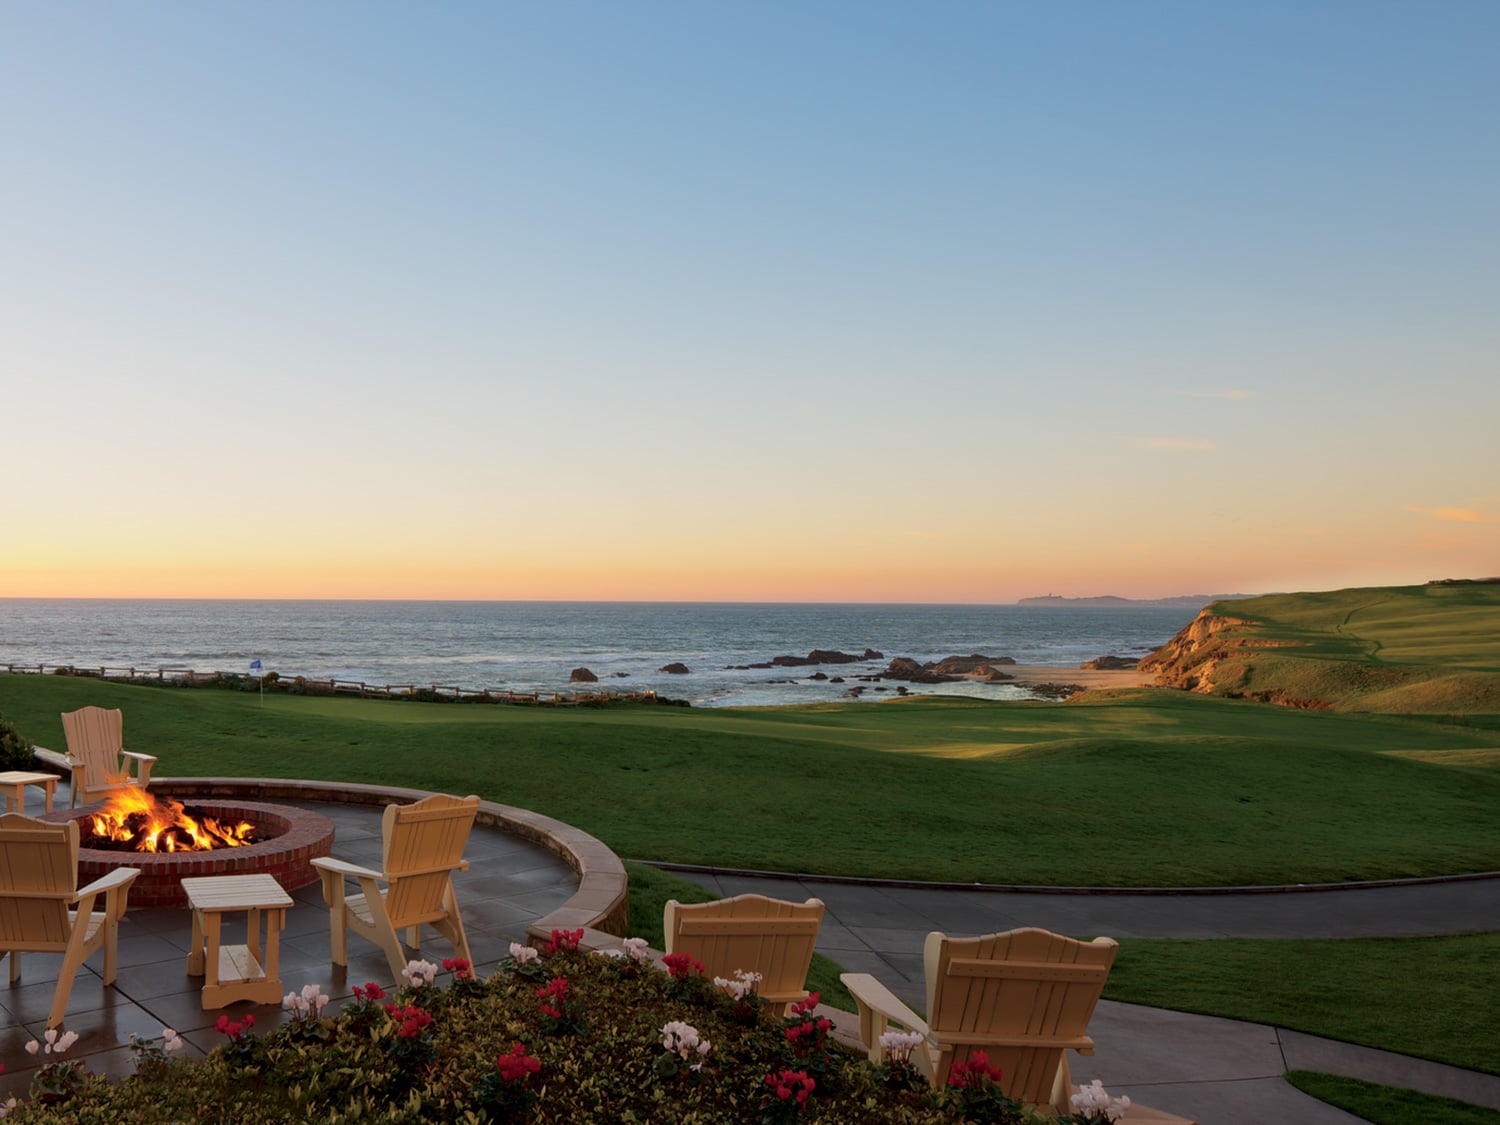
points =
(97, 754)
(423, 846)
(41, 909)
(1023, 997)
(751, 932)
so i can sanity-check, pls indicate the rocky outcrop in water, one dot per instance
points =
(816, 656)
(907, 669)
(1111, 664)
(676, 668)
(824, 656)
(582, 676)
(963, 665)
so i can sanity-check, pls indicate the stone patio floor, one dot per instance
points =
(510, 883)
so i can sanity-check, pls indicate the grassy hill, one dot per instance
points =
(1432, 649)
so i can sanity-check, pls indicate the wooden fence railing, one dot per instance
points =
(305, 685)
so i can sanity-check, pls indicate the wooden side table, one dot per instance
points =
(15, 782)
(236, 972)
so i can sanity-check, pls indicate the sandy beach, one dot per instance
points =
(1084, 677)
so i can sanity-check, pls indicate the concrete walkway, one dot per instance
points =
(1218, 1071)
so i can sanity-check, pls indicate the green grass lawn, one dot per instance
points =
(1184, 789)
(1428, 997)
(1387, 1105)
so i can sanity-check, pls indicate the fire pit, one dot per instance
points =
(283, 843)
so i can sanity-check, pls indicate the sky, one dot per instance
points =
(774, 301)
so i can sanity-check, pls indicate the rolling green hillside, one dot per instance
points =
(1431, 649)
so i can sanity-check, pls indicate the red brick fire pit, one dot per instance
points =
(297, 837)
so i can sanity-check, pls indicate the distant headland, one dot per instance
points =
(1181, 601)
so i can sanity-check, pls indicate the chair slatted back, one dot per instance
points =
(751, 932)
(423, 845)
(1023, 997)
(96, 736)
(38, 875)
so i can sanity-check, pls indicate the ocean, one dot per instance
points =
(533, 646)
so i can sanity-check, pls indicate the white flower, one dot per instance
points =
(7, 1107)
(682, 1039)
(523, 953)
(1095, 1099)
(171, 1041)
(743, 984)
(313, 999)
(419, 973)
(637, 949)
(53, 1043)
(898, 1045)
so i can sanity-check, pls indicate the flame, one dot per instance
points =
(162, 825)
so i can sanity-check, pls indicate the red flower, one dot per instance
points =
(234, 1028)
(371, 991)
(804, 1006)
(680, 965)
(973, 1075)
(564, 941)
(412, 1019)
(515, 1066)
(460, 968)
(791, 1084)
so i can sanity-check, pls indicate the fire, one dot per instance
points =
(134, 817)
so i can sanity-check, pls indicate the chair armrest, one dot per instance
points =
(143, 764)
(114, 887)
(878, 1007)
(341, 867)
(333, 872)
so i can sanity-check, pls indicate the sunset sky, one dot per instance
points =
(861, 301)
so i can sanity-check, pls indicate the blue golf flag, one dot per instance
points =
(255, 665)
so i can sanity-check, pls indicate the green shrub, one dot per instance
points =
(15, 751)
(452, 1055)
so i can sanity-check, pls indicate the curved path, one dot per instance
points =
(1218, 1071)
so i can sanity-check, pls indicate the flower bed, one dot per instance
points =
(562, 1037)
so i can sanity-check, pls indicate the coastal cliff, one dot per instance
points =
(1393, 649)
(1192, 659)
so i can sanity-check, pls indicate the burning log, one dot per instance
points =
(131, 819)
